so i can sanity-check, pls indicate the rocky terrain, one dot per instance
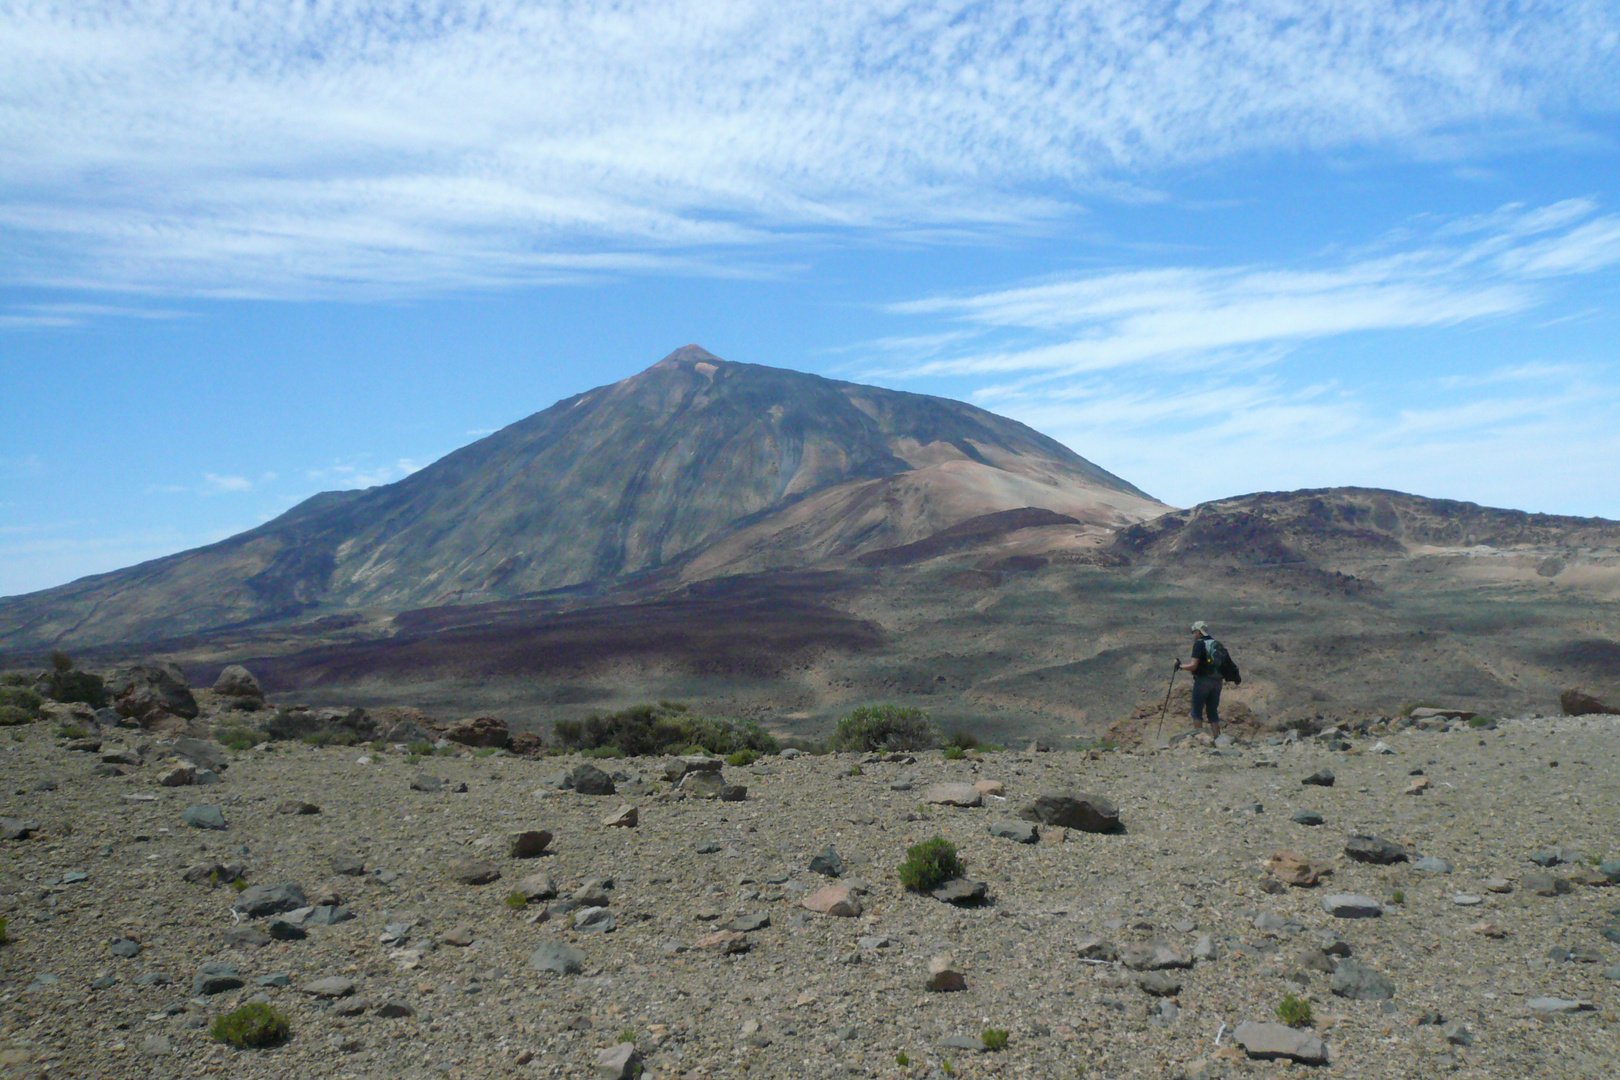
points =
(1436, 892)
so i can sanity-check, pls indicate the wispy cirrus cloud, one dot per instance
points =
(1163, 315)
(349, 474)
(359, 148)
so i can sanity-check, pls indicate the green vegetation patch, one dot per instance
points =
(253, 1025)
(930, 864)
(994, 1039)
(21, 699)
(886, 727)
(665, 728)
(1294, 1012)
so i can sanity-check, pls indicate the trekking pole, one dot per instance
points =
(1164, 711)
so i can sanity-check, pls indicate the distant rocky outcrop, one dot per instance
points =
(1577, 703)
(147, 692)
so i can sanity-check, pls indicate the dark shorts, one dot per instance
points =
(1206, 698)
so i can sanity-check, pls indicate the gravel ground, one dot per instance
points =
(809, 998)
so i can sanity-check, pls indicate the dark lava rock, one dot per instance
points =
(1088, 813)
(1376, 850)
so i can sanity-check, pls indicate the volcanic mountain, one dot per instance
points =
(696, 468)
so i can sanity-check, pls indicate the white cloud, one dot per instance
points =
(215, 484)
(345, 475)
(1166, 315)
(57, 315)
(358, 148)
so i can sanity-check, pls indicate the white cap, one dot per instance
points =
(1199, 627)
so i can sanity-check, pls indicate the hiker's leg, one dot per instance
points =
(1197, 708)
(1212, 706)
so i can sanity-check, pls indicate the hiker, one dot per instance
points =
(1206, 691)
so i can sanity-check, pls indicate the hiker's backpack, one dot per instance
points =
(1222, 661)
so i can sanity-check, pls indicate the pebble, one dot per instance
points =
(204, 817)
(1351, 906)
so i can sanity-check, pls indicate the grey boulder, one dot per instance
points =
(1088, 813)
(1269, 1041)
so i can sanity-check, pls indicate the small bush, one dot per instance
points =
(604, 752)
(1294, 1012)
(946, 1067)
(3, 938)
(1398, 897)
(61, 661)
(627, 1036)
(239, 884)
(954, 753)
(237, 738)
(23, 698)
(855, 769)
(1477, 722)
(69, 731)
(994, 1039)
(78, 686)
(11, 716)
(254, 1024)
(16, 678)
(516, 901)
(930, 864)
(902, 1059)
(333, 738)
(885, 727)
(741, 758)
(965, 739)
(420, 749)
(655, 729)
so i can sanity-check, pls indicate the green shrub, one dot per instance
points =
(604, 752)
(21, 698)
(741, 758)
(627, 1036)
(994, 1039)
(3, 938)
(885, 727)
(333, 738)
(69, 731)
(1481, 722)
(902, 1059)
(516, 901)
(420, 749)
(237, 738)
(855, 769)
(804, 746)
(1294, 1012)
(930, 864)
(661, 728)
(239, 884)
(78, 686)
(965, 739)
(1398, 897)
(16, 678)
(946, 1067)
(954, 753)
(11, 716)
(254, 1024)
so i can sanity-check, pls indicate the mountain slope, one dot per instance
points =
(696, 467)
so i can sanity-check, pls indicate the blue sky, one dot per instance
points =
(251, 252)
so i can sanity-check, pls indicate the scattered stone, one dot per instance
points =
(393, 1010)
(204, 817)
(1498, 885)
(953, 794)
(473, 871)
(557, 959)
(527, 843)
(1575, 703)
(246, 937)
(1308, 817)
(215, 978)
(126, 948)
(961, 892)
(1543, 884)
(943, 977)
(536, 887)
(257, 901)
(179, 774)
(348, 865)
(329, 915)
(1159, 983)
(16, 829)
(429, 784)
(723, 942)
(333, 986)
(837, 900)
(1431, 864)
(283, 930)
(1351, 906)
(1320, 778)
(1358, 982)
(1552, 1006)
(1467, 900)
(1417, 786)
(745, 924)
(1295, 869)
(1375, 850)
(482, 731)
(297, 807)
(827, 863)
(1088, 813)
(1269, 1041)
(733, 793)
(595, 920)
(589, 780)
(1459, 1035)
(621, 1062)
(1154, 956)
(236, 681)
(1097, 948)
(592, 892)
(989, 787)
(1022, 831)
(625, 817)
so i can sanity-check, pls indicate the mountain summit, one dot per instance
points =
(696, 467)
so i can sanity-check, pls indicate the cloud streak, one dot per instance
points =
(360, 149)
